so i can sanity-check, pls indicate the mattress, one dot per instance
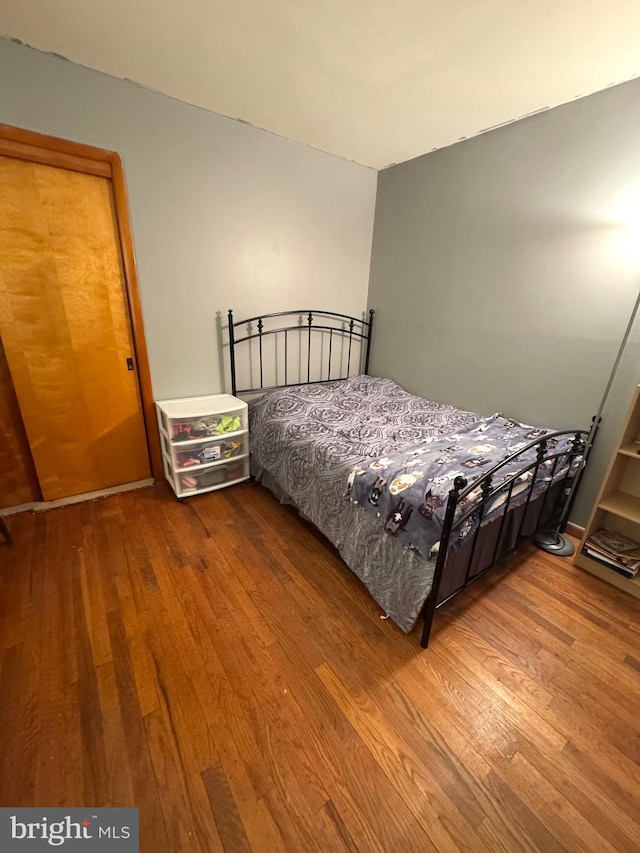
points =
(306, 440)
(370, 465)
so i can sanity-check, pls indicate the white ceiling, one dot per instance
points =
(374, 81)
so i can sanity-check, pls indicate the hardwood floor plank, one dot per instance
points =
(509, 608)
(18, 727)
(520, 828)
(19, 664)
(605, 702)
(595, 608)
(144, 584)
(179, 699)
(329, 734)
(518, 674)
(222, 700)
(606, 667)
(402, 767)
(140, 754)
(525, 714)
(213, 663)
(94, 759)
(117, 787)
(298, 670)
(238, 753)
(343, 832)
(138, 628)
(597, 809)
(94, 605)
(580, 626)
(582, 765)
(15, 579)
(228, 821)
(586, 734)
(463, 787)
(59, 776)
(341, 642)
(632, 662)
(560, 817)
(188, 818)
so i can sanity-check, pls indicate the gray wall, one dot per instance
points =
(223, 215)
(498, 273)
(501, 273)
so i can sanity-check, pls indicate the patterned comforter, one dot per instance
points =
(312, 444)
(306, 440)
(409, 489)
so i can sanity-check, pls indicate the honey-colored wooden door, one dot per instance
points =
(65, 329)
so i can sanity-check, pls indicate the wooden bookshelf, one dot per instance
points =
(622, 505)
(617, 506)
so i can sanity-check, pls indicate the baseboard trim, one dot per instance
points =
(42, 506)
(575, 530)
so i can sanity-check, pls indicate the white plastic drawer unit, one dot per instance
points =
(205, 442)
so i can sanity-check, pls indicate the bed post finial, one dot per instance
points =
(232, 353)
(542, 451)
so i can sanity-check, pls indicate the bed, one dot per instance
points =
(420, 498)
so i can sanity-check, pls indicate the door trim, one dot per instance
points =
(52, 151)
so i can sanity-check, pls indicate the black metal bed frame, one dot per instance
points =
(490, 483)
(345, 328)
(574, 459)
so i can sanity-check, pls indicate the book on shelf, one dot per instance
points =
(628, 562)
(630, 574)
(614, 550)
(615, 543)
(606, 560)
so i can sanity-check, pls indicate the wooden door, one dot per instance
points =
(65, 328)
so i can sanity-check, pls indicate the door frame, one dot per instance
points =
(78, 157)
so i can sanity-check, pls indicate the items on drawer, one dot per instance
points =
(199, 455)
(209, 453)
(206, 427)
(202, 438)
(212, 476)
(235, 471)
(187, 459)
(231, 448)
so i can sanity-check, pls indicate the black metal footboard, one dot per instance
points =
(542, 503)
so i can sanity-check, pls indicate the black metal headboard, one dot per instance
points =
(341, 344)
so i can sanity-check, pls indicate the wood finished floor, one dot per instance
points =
(214, 664)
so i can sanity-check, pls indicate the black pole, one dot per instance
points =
(555, 542)
(232, 354)
(366, 358)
